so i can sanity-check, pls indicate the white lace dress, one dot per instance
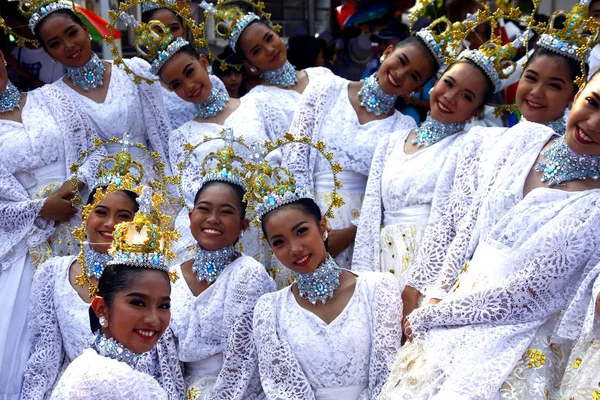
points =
(255, 120)
(214, 331)
(399, 196)
(325, 113)
(488, 337)
(302, 357)
(35, 157)
(59, 332)
(92, 376)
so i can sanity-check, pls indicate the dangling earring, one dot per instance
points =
(103, 322)
(241, 235)
(325, 235)
(252, 69)
(5, 63)
(90, 35)
(382, 59)
(430, 90)
(412, 94)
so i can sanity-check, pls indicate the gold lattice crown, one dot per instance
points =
(119, 170)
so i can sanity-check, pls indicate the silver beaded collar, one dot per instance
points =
(561, 164)
(213, 105)
(208, 265)
(373, 98)
(431, 131)
(89, 76)
(320, 284)
(110, 348)
(10, 98)
(558, 125)
(94, 262)
(284, 76)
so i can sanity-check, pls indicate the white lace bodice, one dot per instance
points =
(299, 353)
(397, 182)
(92, 376)
(219, 321)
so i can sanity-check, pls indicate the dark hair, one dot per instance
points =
(65, 12)
(574, 67)
(116, 278)
(304, 50)
(490, 88)
(456, 10)
(307, 206)
(430, 57)
(132, 196)
(237, 190)
(263, 21)
(229, 56)
(147, 15)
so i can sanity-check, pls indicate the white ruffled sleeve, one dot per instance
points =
(45, 338)
(280, 372)
(239, 377)
(548, 265)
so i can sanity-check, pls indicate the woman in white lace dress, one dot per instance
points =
(333, 333)
(535, 233)
(213, 302)
(60, 300)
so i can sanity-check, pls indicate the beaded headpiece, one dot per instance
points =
(146, 241)
(37, 10)
(271, 187)
(153, 5)
(575, 39)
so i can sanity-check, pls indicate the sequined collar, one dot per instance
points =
(558, 125)
(109, 347)
(320, 284)
(208, 265)
(213, 105)
(373, 98)
(89, 76)
(10, 98)
(561, 164)
(432, 131)
(284, 76)
(94, 262)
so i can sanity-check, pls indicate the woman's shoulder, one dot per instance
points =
(248, 269)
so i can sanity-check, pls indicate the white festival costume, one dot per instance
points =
(303, 357)
(325, 113)
(529, 253)
(398, 197)
(59, 327)
(92, 376)
(214, 331)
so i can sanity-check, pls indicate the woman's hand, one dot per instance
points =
(434, 301)
(58, 206)
(340, 239)
(408, 334)
(598, 303)
(410, 300)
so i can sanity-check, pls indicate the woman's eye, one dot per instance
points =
(166, 306)
(468, 98)
(555, 86)
(530, 78)
(99, 212)
(269, 38)
(125, 216)
(201, 208)
(175, 86)
(255, 52)
(414, 77)
(190, 72)
(301, 231)
(53, 45)
(137, 303)
(448, 83)
(592, 102)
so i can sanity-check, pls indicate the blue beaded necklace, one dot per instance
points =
(373, 98)
(558, 125)
(109, 347)
(432, 131)
(89, 76)
(320, 284)
(94, 262)
(284, 76)
(213, 105)
(561, 164)
(208, 265)
(10, 98)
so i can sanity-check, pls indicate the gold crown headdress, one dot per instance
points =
(271, 187)
(575, 40)
(154, 41)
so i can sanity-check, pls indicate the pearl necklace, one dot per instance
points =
(431, 131)
(373, 98)
(563, 165)
(10, 98)
(89, 76)
(94, 262)
(320, 284)
(208, 265)
(213, 105)
(284, 76)
(110, 348)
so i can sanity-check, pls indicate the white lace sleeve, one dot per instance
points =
(546, 266)
(239, 377)
(387, 331)
(45, 338)
(366, 243)
(280, 373)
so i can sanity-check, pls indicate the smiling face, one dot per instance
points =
(216, 220)
(187, 76)
(296, 238)
(406, 68)
(583, 124)
(139, 313)
(458, 94)
(65, 40)
(115, 208)
(262, 47)
(545, 89)
(170, 20)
